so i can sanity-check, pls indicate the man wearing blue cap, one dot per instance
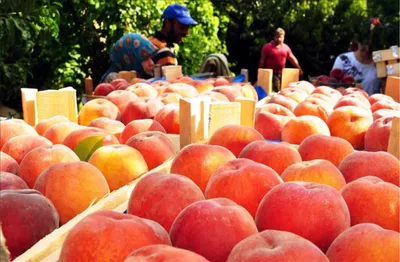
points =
(177, 21)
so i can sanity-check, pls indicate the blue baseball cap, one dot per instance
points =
(180, 13)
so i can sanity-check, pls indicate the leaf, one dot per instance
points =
(86, 147)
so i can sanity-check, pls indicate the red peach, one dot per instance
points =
(140, 126)
(11, 181)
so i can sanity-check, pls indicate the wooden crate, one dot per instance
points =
(392, 87)
(387, 62)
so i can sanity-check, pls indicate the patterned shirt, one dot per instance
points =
(165, 54)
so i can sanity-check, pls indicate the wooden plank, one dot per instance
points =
(222, 114)
(392, 87)
(29, 105)
(289, 75)
(48, 248)
(245, 72)
(393, 69)
(380, 69)
(127, 75)
(175, 139)
(264, 79)
(384, 55)
(394, 139)
(172, 72)
(247, 111)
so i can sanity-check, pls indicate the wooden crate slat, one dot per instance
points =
(264, 79)
(392, 87)
(393, 69)
(289, 75)
(394, 139)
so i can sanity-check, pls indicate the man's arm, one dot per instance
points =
(295, 63)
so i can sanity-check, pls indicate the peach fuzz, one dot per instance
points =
(121, 98)
(139, 126)
(303, 85)
(8, 164)
(313, 107)
(350, 123)
(377, 136)
(114, 127)
(18, 146)
(141, 108)
(97, 108)
(319, 171)
(234, 137)
(11, 181)
(120, 164)
(199, 161)
(371, 200)
(379, 164)
(37, 160)
(252, 179)
(274, 245)
(57, 133)
(185, 90)
(90, 239)
(214, 96)
(45, 124)
(299, 128)
(328, 91)
(168, 117)
(296, 94)
(77, 136)
(12, 128)
(365, 242)
(161, 197)
(385, 112)
(379, 97)
(385, 105)
(163, 253)
(228, 222)
(229, 91)
(143, 90)
(314, 211)
(333, 149)
(270, 119)
(168, 98)
(283, 101)
(72, 187)
(278, 156)
(156, 147)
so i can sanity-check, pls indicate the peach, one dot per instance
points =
(371, 200)
(214, 96)
(11, 181)
(313, 107)
(103, 89)
(72, 187)
(377, 136)
(77, 136)
(253, 179)
(319, 171)
(185, 90)
(379, 164)
(229, 91)
(299, 128)
(26, 217)
(248, 91)
(350, 123)
(355, 90)
(120, 164)
(182, 79)
(37, 160)
(314, 211)
(379, 97)
(385, 112)
(110, 236)
(141, 108)
(161, 197)
(274, 245)
(333, 149)
(140, 126)
(163, 253)
(45, 124)
(353, 100)
(278, 156)
(8, 164)
(58, 132)
(143, 90)
(12, 128)
(296, 94)
(228, 222)
(121, 98)
(365, 242)
(385, 105)
(17, 147)
(270, 119)
(328, 91)
(114, 127)
(168, 117)
(330, 100)
(199, 161)
(168, 98)
(234, 137)
(283, 101)
(221, 81)
(97, 108)
(118, 82)
(303, 85)
(202, 86)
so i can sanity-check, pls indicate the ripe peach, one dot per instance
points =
(118, 82)
(234, 137)
(229, 91)
(168, 117)
(103, 89)
(228, 222)
(274, 245)
(350, 123)
(77, 136)
(155, 147)
(326, 98)
(45, 124)
(121, 98)
(143, 90)
(202, 86)
(353, 100)
(328, 91)
(379, 164)
(163, 253)
(72, 187)
(278, 156)
(270, 119)
(11, 181)
(141, 108)
(140, 126)
(314, 211)
(221, 81)
(90, 239)
(355, 90)
(215, 96)
(37, 160)
(120, 164)
(17, 147)
(299, 128)
(365, 242)
(283, 101)
(12, 128)
(253, 179)
(8, 164)
(168, 98)
(57, 133)
(182, 79)
(313, 107)
(185, 90)
(303, 85)
(114, 127)
(296, 94)
(385, 112)
(379, 97)
(199, 161)
(97, 108)
(377, 136)
(161, 197)
(385, 105)
(248, 91)
(330, 148)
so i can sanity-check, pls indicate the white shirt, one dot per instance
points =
(366, 73)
